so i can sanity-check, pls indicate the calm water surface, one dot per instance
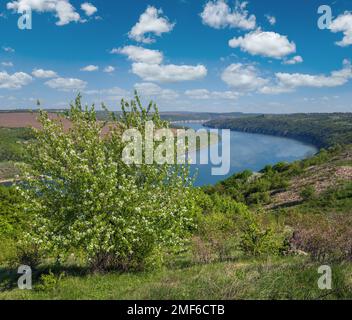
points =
(253, 152)
(250, 151)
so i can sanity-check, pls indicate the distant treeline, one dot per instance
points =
(187, 116)
(321, 130)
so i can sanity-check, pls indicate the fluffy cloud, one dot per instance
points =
(152, 90)
(111, 94)
(139, 54)
(335, 79)
(243, 77)
(7, 64)
(8, 49)
(88, 8)
(294, 60)
(271, 19)
(109, 69)
(44, 74)
(14, 81)
(168, 73)
(90, 68)
(218, 14)
(147, 65)
(288, 82)
(66, 84)
(343, 23)
(62, 9)
(150, 22)
(267, 44)
(204, 94)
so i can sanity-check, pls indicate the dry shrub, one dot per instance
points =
(324, 238)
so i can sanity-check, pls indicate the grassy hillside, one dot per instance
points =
(322, 130)
(285, 278)
(259, 236)
(11, 149)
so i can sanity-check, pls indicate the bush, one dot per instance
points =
(308, 193)
(324, 238)
(257, 240)
(228, 229)
(49, 282)
(83, 197)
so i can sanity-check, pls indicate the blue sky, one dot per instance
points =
(187, 55)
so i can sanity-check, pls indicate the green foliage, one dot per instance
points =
(252, 189)
(258, 240)
(12, 223)
(11, 143)
(264, 279)
(322, 130)
(228, 229)
(83, 197)
(10, 219)
(49, 281)
(307, 193)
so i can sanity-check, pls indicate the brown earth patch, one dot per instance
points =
(25, 120)
(321, 177)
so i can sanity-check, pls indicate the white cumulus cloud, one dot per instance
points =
(343, 23)
(44, 74)
(90, 68)
(168, 73)
(150, 22)
(109, 69)
(139, 54)
(14, 81)
(8, 49)
(7, 64)
(335, 79)
(218, 14)
(62, 9)
(88, 8)
(287, 82)
(66, 84)
(149, 89)
(205, 94)
(243, 77)
(267, 44)
(294, 60)
(271, 19)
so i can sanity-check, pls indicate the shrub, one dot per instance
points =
(308, 193)
(49, 281)
(228, 229)
(323, 238)
(83, 197)
(259, 240)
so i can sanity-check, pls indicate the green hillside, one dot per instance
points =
(253, 236)
(322, 130)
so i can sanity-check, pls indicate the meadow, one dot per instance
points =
(94, 228)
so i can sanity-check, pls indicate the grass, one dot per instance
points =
(280, 278)
(7, 170)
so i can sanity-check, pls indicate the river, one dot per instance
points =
(253, 152)
(249, 151)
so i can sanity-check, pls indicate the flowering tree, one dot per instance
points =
(83, 197)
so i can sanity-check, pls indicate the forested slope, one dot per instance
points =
(322, 130)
